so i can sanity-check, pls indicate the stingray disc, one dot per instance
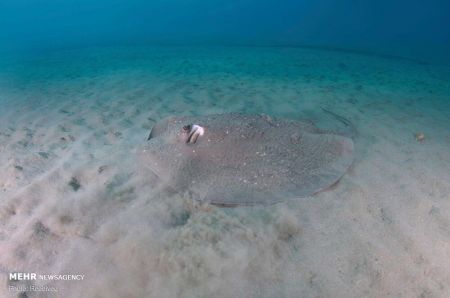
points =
(245, 159)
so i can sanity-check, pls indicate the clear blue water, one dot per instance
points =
(413, 28)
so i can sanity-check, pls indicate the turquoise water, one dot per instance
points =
(83, 82)
(404, 28)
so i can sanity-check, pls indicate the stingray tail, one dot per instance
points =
(350, 128)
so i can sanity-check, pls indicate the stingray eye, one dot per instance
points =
(187, 128)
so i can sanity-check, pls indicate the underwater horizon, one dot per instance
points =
(224, 148)
(410, 29)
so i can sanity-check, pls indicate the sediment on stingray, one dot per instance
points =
(246, 159)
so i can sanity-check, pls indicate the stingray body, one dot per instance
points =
(246, 159)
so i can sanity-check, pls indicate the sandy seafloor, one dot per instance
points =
(75, 200)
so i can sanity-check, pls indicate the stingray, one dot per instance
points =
(238, 159)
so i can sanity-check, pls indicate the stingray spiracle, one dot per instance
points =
(194, 131)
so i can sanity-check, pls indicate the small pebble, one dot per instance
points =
(420, 137)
